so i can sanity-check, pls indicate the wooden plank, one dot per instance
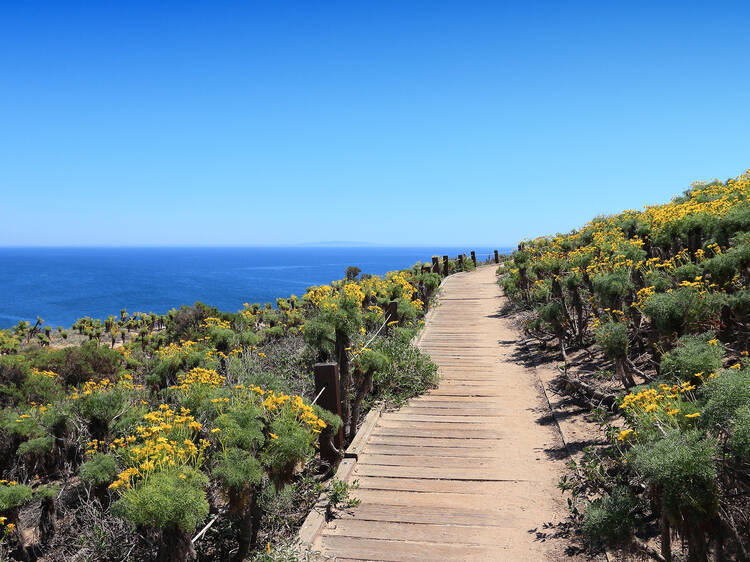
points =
(498, 504)
(410, 440)
(428, 461)
(427, 451)
(431, 515)
(447, 433)
(414, 532)
(369, 549)
(445, 486)
(483, 474)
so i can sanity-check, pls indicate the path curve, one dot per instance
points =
(462, 472)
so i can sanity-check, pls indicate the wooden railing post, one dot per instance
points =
(497, 257)
(435, 264)
(391, 311)
(446, 267)
(474, 257)
(327, 385)
(460, 261)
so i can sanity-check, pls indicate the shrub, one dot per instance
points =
(723, 395)
(612, 287)
(613, 339)
(722, 268)
(87, 362)
(37, 446)
(681, 469)
(693, 354)
(99, 470)
(168, 498)
(739, 442)
(681, 310)
(613, 518)
(14, 496)
(408, 371)
(237, 469)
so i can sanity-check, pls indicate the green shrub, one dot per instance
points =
(723, 395)
(408, 371)
(658, 280)
(612, 287)
(167, 499)
(612, 518)
(681, 467)
(41, 389)
(722, 268)
(14, 496)
(242, 427)
(237, 469)
(37, 446)
(681, 310)
(613, 339)
(223, 339)
(688, 272)
(693, 354)
(739, 442)
(552, 312)
(100, 470)
(100, 407)
(292, 445)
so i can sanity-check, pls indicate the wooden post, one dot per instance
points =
(327, 385)
(446, 267)
(460, 261)
(474, 257)
(435, 264)
(497, 257)
(391, 311)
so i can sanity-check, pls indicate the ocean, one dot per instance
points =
(64, 284)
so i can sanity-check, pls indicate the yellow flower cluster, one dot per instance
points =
(199, 376)
(45, 373)
(177, 350)
(212, 322)
(354, 292)
(317, 294)
(167, 440)
(660, 407)
(306, 415)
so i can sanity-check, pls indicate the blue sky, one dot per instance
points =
(237, 123)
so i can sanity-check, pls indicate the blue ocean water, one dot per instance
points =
(64, 284)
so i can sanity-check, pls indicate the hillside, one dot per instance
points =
(648, 312)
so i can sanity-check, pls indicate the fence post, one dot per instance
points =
(446, 268)
(391, 311)
(461, 261)
(327, 385)
(497, 257)
(435, 264)
(474, 257)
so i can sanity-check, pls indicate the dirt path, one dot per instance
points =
(467, 471)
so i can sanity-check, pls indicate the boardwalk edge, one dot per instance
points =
(315, 520)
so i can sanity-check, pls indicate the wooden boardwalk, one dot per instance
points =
(463, 472)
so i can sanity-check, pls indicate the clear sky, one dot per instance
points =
(246, 123)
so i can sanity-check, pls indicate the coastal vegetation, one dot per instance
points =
(194, 434)
(657, 303)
